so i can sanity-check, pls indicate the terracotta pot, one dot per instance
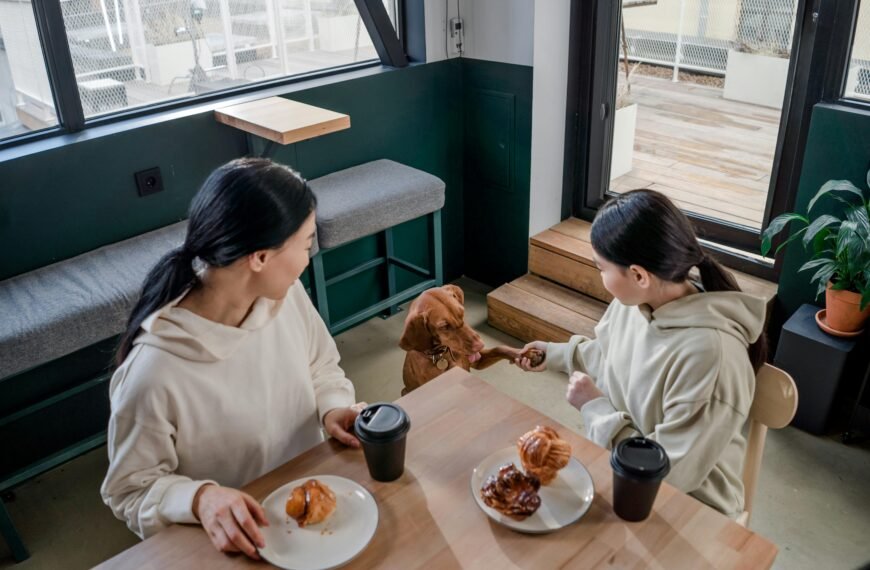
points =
(843, 312)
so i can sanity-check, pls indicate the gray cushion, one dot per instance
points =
(61, 308)
(371, 197)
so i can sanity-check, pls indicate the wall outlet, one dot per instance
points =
(149, 181)
(455, 35)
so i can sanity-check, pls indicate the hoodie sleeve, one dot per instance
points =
(141, 486)
(580, 352)
(332, 389)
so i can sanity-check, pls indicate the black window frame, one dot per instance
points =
(818, 64)
(64, 87)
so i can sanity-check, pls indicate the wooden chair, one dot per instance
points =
(773, 406)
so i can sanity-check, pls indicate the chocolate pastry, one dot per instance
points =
(512, 492)
(543, 453)
(310, 503)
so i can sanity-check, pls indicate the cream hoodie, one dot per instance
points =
(679, 375)
(198, 401)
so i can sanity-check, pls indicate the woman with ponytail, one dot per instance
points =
(225, 370)
(673, 359)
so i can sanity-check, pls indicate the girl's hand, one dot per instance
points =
(526, 360)
(582, 389)
(338, 423)
(231, 518)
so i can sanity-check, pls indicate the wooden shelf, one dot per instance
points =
(281, 120)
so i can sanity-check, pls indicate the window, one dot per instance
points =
(26, 102)
(130, 53)
(858, 69)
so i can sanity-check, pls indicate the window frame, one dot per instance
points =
(64, 86)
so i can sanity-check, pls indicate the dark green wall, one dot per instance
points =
(62, 202)
(498, 150)
(838, 147)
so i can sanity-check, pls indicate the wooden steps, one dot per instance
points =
(563, 294)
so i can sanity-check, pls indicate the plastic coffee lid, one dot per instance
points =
(641, 458)
(382, 421)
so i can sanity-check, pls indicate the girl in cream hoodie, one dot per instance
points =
(672, 360)
(225, 372)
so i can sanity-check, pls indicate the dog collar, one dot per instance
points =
(438, 355)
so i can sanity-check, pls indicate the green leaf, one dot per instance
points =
(868, 178)
(816, 263)
(790, 239)
(835, 186)
(777, 226)
(865, 298)
(824, 274)
(817, 225)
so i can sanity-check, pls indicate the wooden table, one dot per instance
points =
(429, 519)
(281, 121)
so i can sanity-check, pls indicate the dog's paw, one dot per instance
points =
(536, 357)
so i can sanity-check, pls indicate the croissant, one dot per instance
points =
(310, 503)
(512, 492)
(543, 453)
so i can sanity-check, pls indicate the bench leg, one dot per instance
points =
(319, 287)
(435, 247)
(391, 272)
(10, 534)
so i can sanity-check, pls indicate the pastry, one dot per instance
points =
(543, 453)
(310, 503)
(512, 492)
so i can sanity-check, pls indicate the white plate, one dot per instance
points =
(330, 544)
(563, 501)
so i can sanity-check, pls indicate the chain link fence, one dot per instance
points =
(858, 74)
(697, 34)
(129, 53)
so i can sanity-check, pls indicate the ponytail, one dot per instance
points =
(168, 279)
(643, 227)
(246, 205)
(714, 277)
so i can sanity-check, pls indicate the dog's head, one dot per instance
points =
(437, 318)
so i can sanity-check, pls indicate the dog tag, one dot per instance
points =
(441, 364)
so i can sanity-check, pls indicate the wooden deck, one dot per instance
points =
(710, 155)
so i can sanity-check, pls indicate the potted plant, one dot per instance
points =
(841, 254)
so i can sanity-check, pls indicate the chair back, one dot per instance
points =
(773, 406)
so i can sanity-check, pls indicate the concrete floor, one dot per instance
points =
(813, 499)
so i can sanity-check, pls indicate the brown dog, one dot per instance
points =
(437, 338)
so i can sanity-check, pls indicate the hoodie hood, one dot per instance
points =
(189, 336)
(738, 314)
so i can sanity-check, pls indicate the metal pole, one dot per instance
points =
(309, 25)
(274, 9)
(226, 18)
(678, 55)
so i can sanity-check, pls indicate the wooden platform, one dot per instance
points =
(710, 155)
(281, 120)
(563, 294)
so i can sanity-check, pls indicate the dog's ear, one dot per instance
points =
(416, 335)
(456, 292)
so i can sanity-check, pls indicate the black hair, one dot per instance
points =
(244, 206)
(643, 227)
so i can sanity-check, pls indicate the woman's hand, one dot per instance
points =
(338, 423)
(525, 362)
(231, 518)
(582, 389)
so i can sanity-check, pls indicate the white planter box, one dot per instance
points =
(339, 33)
(754, 78)
(623, 141)
(168, 61)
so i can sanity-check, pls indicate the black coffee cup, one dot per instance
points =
(381, 429)
(639, 465)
